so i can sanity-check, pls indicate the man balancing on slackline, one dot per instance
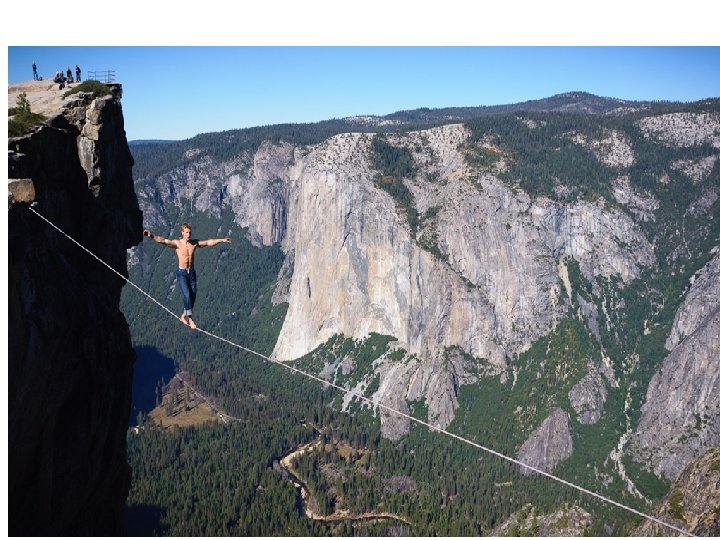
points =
(185, 249)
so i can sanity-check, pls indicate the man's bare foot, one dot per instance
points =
(183, 319)
(191, 323)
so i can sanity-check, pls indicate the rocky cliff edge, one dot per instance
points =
(70, 354)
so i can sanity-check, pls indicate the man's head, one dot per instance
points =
(186, 230)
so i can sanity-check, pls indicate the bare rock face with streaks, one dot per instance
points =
(641, 205)
(496, 292)
(548, 445)
(492, 292)
(435, 381)
(681, 415)
(701, 300)
(693, 503)
(612, 148)
(588, 396)
(373, 277)
(683, 129)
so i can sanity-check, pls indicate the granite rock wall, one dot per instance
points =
(70, 354)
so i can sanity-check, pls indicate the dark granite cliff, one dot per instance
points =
(70, 352)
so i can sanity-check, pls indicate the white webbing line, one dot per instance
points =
(378, 404)
(99, 259)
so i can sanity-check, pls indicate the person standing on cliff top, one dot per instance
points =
(35, 75)
(185, 248)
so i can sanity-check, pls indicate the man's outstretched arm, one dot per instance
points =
(213, 242)
(160, 239)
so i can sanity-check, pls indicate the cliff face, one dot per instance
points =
(693, 503)
(549, 444)
(70, 352)
(356, 267)
(681, 415)
(491, 266)
(566, 521)
(495, 291)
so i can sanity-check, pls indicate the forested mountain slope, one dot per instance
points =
(538, 278)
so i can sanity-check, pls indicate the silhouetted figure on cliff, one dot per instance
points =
(77, 73)
(185, 249)
(35, 75)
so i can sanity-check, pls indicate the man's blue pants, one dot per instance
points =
(188, 286)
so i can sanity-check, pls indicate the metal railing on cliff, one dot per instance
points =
(106, 76)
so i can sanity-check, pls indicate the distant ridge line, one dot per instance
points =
(153, 141)
(577, 102)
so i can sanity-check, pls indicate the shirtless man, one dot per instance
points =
(185, 249)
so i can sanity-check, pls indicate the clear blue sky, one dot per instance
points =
(178, 92)
(318, 59)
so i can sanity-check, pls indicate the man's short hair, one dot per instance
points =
(185, 226)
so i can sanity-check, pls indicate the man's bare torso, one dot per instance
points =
(186, 252)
